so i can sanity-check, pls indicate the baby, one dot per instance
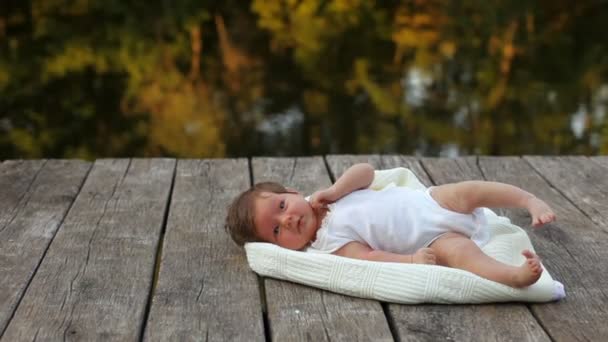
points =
(443, 225)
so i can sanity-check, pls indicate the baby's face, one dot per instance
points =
(286, 219)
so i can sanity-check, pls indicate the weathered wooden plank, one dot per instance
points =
(574, 249)
(602, 160)
(449, 322)
(412, 163)
(491, 322)
(451, 170)
(16, 177)
(339, 163)
(96, 277)
(205, 288)
(35, 197)
(580, 179)
(298, 312)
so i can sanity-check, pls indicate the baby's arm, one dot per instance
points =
(357, 250)
(464, 197)
(358, 176)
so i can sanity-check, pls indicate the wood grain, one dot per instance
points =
(449, 322)
(205, 288)
(601, 160)
(339, 163)
(16, 179)
(573, 249)
(297, 312)
(77, 260)
(95, 280)
(36, 195)
(489, 322)
(580, 179)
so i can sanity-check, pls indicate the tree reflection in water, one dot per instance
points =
(276, 77)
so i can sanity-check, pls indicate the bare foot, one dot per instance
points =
(529, 272)
(540, 211)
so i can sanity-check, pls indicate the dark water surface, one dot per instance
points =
(93, 78)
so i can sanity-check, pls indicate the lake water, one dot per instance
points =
(96, 79)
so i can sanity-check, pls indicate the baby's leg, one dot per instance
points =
(458, 251)
(464, 197)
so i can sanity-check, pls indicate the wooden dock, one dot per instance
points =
(134, 249)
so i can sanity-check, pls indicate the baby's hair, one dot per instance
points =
(239, 220)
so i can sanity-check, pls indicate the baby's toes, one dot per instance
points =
(534, 268)
(528, 254)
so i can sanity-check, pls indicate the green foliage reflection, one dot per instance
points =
(98, 78)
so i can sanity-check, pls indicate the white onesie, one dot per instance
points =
(396, 219)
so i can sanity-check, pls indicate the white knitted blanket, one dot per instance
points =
(407, 283)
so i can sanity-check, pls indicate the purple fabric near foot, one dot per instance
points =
(558, 290)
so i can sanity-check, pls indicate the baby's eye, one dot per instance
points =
(282, 204)
(276, 230)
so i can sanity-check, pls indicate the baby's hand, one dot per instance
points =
(540, 211)
(321, 198)
(424, 256)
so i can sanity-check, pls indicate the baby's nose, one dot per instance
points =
(288, 222)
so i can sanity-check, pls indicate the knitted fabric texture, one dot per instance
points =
(407, 283)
